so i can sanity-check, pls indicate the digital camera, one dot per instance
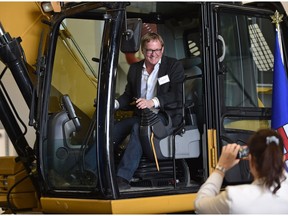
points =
(243, 152)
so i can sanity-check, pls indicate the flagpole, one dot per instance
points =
(277, 18)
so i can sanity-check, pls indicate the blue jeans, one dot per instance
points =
(133, 152)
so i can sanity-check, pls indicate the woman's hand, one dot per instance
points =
(228, 156)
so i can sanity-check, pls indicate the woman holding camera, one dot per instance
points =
(268, 193)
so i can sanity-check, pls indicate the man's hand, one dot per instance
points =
(142, 103)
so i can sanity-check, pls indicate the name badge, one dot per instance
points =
(163, 80)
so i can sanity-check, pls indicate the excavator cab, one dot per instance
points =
(227, 53)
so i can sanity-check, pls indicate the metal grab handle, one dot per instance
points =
(221, 58)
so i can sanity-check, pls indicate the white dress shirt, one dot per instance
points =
(149, 85)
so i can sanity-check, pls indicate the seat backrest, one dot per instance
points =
(193, 90)
(192, 72)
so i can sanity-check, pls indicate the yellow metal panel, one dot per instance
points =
(23, 19)
(155, 205)
(151, 205)
(61, 205)
(7, 182)
(13, 174)
(19, 200)
(212, 150)
(9, 166)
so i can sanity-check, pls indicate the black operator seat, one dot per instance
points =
(61, 153)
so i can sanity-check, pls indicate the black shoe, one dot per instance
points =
(123, 184)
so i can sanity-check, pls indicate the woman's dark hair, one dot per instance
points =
(266, 149)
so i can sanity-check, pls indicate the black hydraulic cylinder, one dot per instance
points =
(11, 55)
(24, 151)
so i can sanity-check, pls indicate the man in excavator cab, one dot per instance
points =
(154, 83)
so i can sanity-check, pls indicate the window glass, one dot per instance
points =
(246, 70)
(70, 149)
(248, 61)
(75, 66)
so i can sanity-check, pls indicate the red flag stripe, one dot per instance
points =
(283, 131)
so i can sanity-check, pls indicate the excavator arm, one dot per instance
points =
(11, 54)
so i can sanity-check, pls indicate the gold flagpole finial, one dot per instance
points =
(277, 18)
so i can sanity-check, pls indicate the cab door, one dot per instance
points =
(242, 53)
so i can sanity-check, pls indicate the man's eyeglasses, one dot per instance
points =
(156, 51)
